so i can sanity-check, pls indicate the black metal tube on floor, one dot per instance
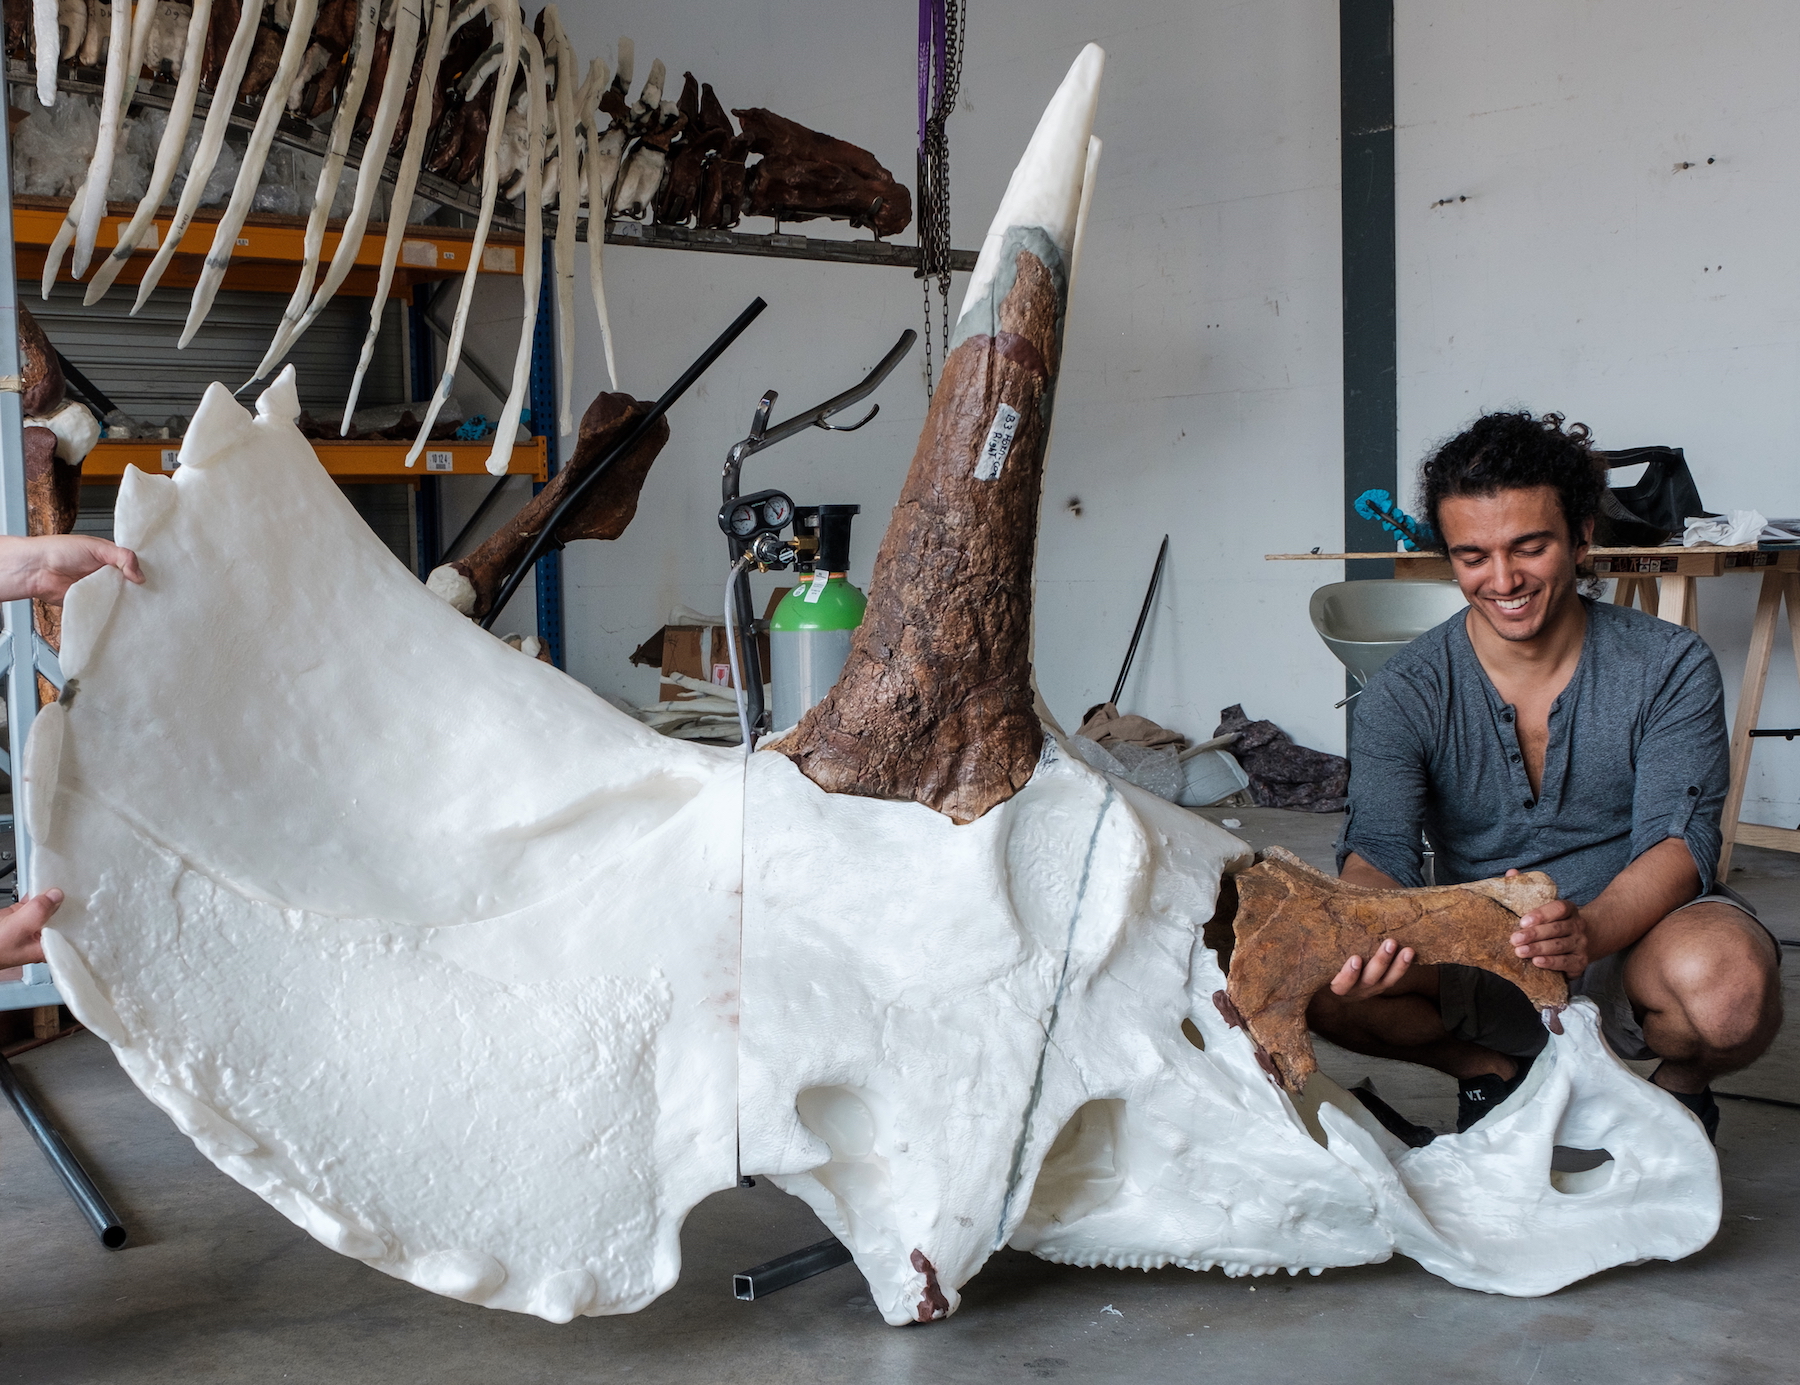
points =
(764, 1280)
(87, 1197)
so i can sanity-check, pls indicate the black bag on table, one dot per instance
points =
(1654, 508)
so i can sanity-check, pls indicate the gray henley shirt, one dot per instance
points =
(1637, 753)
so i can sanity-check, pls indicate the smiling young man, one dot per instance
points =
(1540, 730)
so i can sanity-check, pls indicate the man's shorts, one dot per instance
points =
(1486, 1009)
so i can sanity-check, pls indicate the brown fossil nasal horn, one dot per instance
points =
(935, 703)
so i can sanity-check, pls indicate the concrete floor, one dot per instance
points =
(215, 1286)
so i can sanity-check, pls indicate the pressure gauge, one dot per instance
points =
(777, 511)
(765, 512)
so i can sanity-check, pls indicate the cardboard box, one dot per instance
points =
(700, 651)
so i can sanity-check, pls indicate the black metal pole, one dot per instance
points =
(1143, 615)
(87, 1197)
(631, 440)
(762, 1280)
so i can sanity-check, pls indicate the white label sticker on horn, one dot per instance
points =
(999, 443)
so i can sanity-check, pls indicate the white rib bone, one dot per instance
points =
(408, 178)
(212, 139)
(256, 154)
(368, 177)
(508, 15)
(568, 205)
(106, 142)
(505, 434)
(598, 194)
(362, 61)
(168, 155)
(64, 237)
(48, 45)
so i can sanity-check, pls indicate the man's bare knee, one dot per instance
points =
(1718, 978)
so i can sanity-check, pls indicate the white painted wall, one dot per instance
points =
(1200, 391)
(1589, 273)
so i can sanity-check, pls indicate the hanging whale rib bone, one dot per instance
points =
(48, 45)
(935, 703)
(404, 184)
(168, 154)
(405, 38)
(1296, 925)
(804, 174)
(212, 139)
(511, 31)
(531, 280)
(362, 63)
(124, 54)
(568, 207)
(471, 583)
(256, 154)
(593, 164)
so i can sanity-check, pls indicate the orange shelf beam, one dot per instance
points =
(346, 461)
(269, 253)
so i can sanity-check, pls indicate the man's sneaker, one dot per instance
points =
(1701, 1103)
(1397, 1125)
(1477, 1096)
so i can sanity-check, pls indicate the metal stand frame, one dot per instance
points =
(23, 657)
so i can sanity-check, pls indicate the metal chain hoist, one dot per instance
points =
(942, 26)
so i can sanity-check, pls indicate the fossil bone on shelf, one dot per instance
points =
(490, 999)
(470, 584)
(1295, 926)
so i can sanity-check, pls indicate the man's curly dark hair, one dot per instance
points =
(1516, 451)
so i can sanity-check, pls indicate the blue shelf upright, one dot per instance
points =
(543, 425)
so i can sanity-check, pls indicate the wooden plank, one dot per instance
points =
(1749, 708)
(1769, 838)
(346, 461)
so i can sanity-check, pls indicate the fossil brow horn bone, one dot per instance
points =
(410, 160)
(511, 31)
(168, 155)
(935, 703)
(1296, 925)
(256, 154)
(471, 583)
(362, 60)
(212, 139)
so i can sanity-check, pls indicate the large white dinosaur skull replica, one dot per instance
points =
(487, 985)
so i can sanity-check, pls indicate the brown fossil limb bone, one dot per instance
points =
(470, 584)
(1296, 926)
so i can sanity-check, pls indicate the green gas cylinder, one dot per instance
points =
(809, 634)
